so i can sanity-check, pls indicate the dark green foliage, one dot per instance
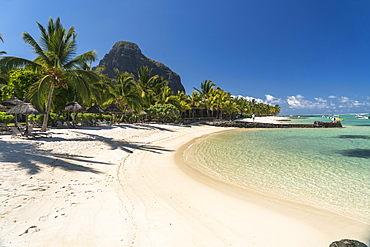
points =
(19, 81)
(53, 117)
(5, 118)
(164, 113)
(245, 115)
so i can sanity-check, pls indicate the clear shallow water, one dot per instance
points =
(324, 168)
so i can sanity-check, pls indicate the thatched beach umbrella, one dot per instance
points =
(113, 109)
(95, 109)
(143, 113)
(25, 108)
(13, 101)
(74, 107)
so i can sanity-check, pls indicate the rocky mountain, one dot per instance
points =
(127, 56)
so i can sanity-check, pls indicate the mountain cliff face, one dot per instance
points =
(127, 56)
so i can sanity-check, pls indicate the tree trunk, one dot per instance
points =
(47, 109)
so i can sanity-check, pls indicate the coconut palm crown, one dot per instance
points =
(57, 64)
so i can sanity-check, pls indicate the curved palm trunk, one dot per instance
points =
(47, 110)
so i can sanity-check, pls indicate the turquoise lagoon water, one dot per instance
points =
(324, 168)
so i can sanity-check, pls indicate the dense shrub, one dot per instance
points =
(164, 113)
(5, 118)
(53, 118)
(245, 115)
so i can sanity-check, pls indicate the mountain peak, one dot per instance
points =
(127, 56)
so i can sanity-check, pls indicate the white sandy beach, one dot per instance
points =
(128, 185)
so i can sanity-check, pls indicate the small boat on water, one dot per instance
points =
(362, 117)
(335, 118)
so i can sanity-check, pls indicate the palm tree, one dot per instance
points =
(222, 100)
(206, 88)
(195, 102)
(127, 92)
(102, 90)
(55, 61)
(242, 105)
(181, 101)
(164, 96)
(151, 86)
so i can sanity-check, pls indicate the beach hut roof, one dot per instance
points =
(95, 109)
(113, 109)
(25, 109)
(13, 101)
(74, 107)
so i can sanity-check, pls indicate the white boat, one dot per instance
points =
(362, 117)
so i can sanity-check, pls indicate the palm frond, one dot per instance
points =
(4, 78)
(82, 60)
(35, 46)
(38, 92)
(16, 63)
(81, 81)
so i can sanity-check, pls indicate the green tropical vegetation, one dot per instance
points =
(164, 112)
(5, 118)
(57, 76)
(19, 81)
(56, 64)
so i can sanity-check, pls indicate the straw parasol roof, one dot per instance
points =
(25, 109)
(74, 106)
(13, 101)
(95, 109)
(113, 109)
(143, 113)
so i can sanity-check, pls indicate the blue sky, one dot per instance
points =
(308, 56)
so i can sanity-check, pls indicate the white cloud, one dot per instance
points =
(349, 103)
(321, 100)
(327, 104)
(300, 102)
(296, 101)
(249, 98)
(271, 100)
(343, 99)
(357, 103)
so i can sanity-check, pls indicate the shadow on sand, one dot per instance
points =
(15, 152)
(28, 155)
